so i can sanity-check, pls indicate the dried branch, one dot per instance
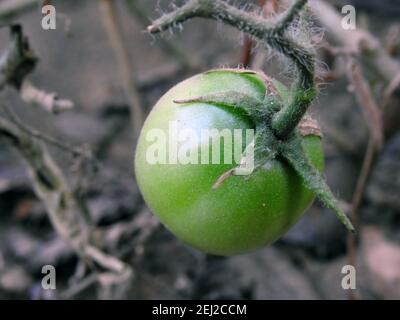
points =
(366, 100)
(48, 180)
(362, 179)
(79, 286)
(360, 42)
(133, 235)
(247, 56)
(392, 40)
(355, 204)
(391, 88)
(68, 216)
(373, 115)
(125, 65)
(10, 8)
(17, 61)
(49, 101)
(75, 151)
(363, 45)
(67, 212)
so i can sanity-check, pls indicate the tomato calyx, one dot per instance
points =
(267, 143)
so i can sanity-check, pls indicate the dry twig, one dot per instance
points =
(392, 87)
(133, 234)
(124, 61)
(68, 216)
(355, 204)
(75, 151)
(67, 211)
(358, 41)
(366, 100)
(373, 117)
(16, 62)
(10, 8)
(49, 101)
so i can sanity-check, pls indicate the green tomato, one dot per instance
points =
(245, 212)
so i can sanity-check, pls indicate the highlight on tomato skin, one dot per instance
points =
(245, 212)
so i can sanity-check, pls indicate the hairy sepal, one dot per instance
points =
(292, 150)
(255, 109)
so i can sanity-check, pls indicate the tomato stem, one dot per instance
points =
(274, 35)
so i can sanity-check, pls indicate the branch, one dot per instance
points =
(124, 61)
(68, 214)
(67, 211)
(17, 61)
(49, 101)
(303, 89)
(359, 41)
(355, 204)
(366, 100)
(391, 88)
(132, 234)
(10, 8)
(75, 151)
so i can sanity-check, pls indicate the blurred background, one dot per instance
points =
(101, 59)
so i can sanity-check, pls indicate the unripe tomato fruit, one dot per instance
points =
(245, 212)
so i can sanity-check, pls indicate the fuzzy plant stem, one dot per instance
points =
(303, 88)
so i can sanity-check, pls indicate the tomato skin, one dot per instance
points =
(245, 212)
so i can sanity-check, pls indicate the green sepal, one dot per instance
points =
(292, 150)
(254, 108)
(265, 145)
(260, 150)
